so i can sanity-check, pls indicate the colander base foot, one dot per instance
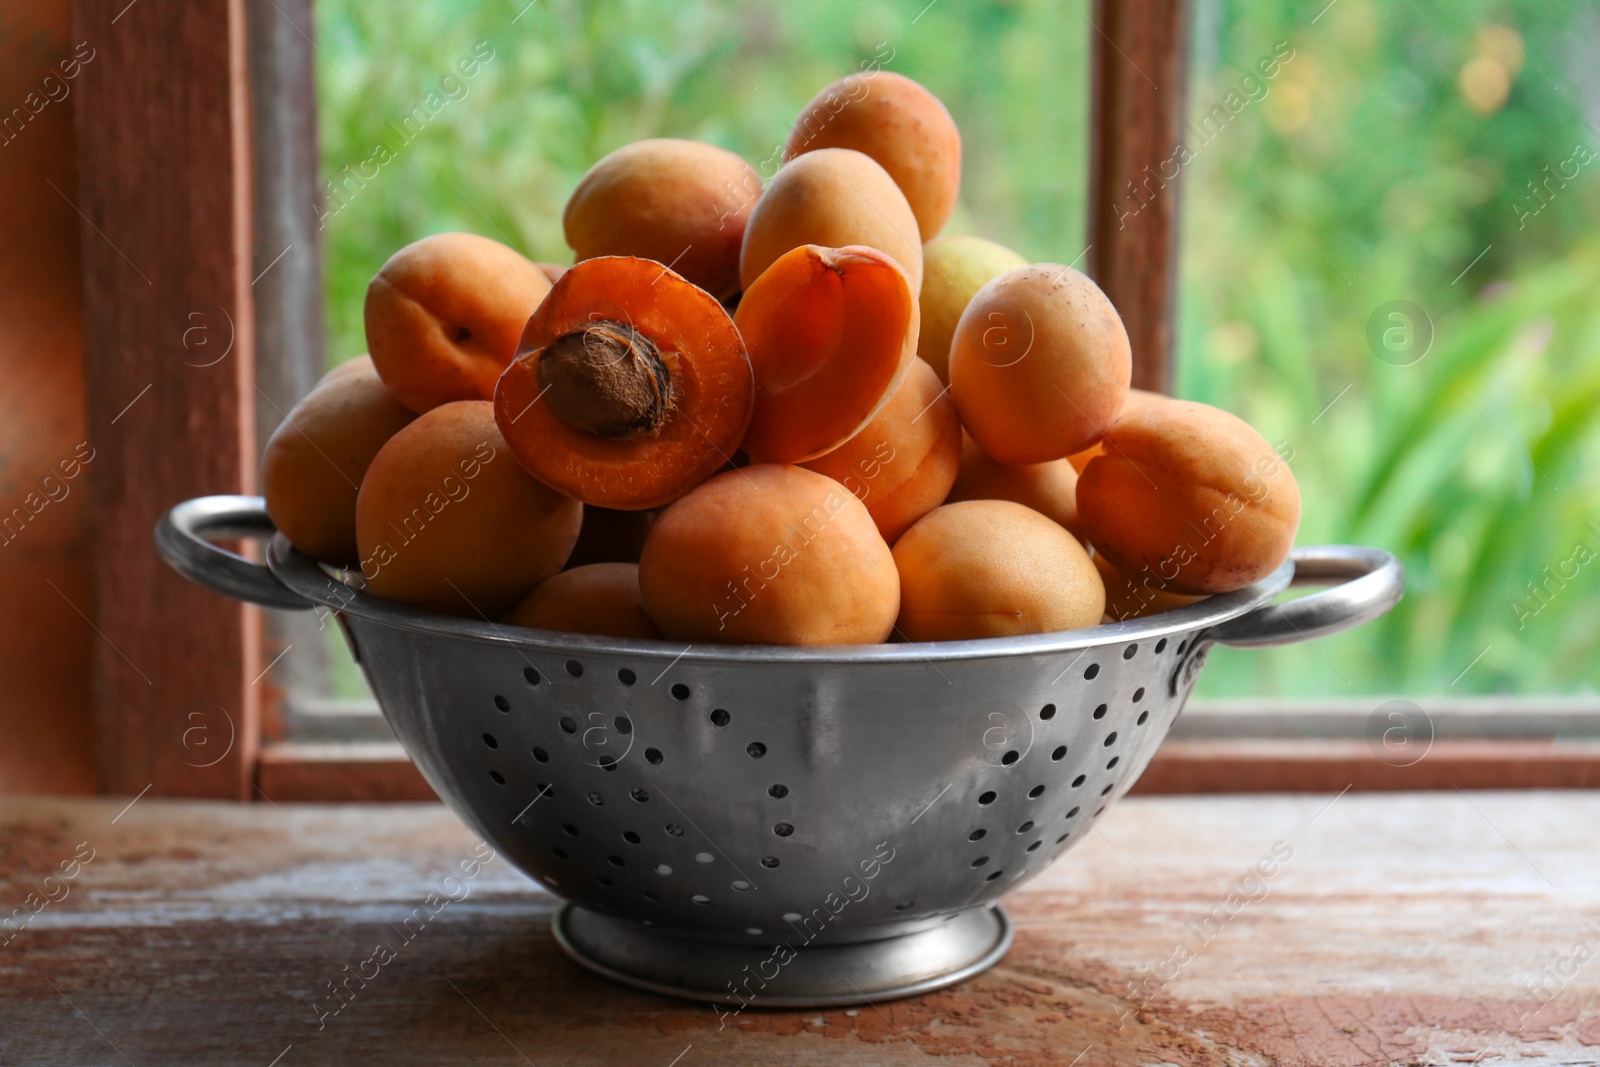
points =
(804, 976)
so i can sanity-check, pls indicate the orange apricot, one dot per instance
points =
(611, 536)
(993, 568)
(551, 271)
(903, 462)
(350, 366)
(448, 521)
(1190, 498)
(831, 333)
(954, 268)
(682, 203)
(831, 197)
(599, 598)
(900, 124)
(630, 387)
(313, 464)
(1039, 364)
(1135, 397)
(1129, 599)
(1050, 488)
(443, 316)
(769, 554)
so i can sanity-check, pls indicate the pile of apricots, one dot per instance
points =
(790, 415)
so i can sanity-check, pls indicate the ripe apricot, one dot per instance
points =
(1189, 498)
(1050, 488)
(831, 333)
(551, 271)
(350, 366)
(448, 521)
(993, 568)
(900, 124)
(1135, 397)
(831, 197)
(313, 464)
(681, 203)
(903, 462)
(1128, 599)
(443, 316)
(769, 554)
(600, 599)
(611, 536)
(630, 386)
(1039, 364)
(954, 268)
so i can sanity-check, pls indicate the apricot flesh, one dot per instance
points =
(1189, 498)
(993, 568)
(680, 203)
(903, 462)
(600, 599)
(831, 197)
(444, 314)
(1050, 488)
(313, 464)
(954, 268)
(902, 126)
(1039, 364)
(447, 520)
(769, 554)
(831, 333)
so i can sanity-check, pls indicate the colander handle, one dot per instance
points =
(182, 539)
(1369, 583)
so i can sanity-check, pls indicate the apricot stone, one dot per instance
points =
(831, 197)
(600, 599)
(1050, 488)
(769, 554)
(447, 520)
(313, 464)
(954, 268)
(993, 568)
(680, 203)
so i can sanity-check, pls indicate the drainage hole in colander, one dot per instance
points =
(540, 754)
(1090, 671)
(1111, 739)
(1130, 652)
(1073, 812)
(640, 795)
(652, 755)
(741, 885)
(1025, 827)
(720, 717)
(976, 835)
(663, 870)
(648, 895)
(574, 668)
(1036, 792)
(559, 853)
(674, 829)
(700, 899)
(542, 790)
(680, 691)
(980, 861)
(1063, 837)
(987, 798)
(753, 931)
(1076, 782)
(783, 829)
(1047, 712)
(1059, 754)
(550, 881)
(1138, 694)
(1112, 762)
(502, 703)
(791, 916)
(499, 779)
(615, 861)
(704, 857)
(1035, 846)
(626, 677)
(489, 740)
(1144, 717)
(993, 876)
(571, 830)
(607, 763)
(623, 724)
(777, 792)
(770, 861)
(631, 838)
(596, 799)
(1103, 792)
(755, 750)
(568, 724)
(907, 906)
(1161, 645)
(1010, 757)
(1100, 712)
(603, 880)
(531, 675)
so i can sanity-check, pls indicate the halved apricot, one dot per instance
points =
(600, 599)
(443, 316)
(831, 333)
(631, 386)
(902, 463)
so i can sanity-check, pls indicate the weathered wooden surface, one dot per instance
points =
(1395, 929)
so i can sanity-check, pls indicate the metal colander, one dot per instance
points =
(778, 826)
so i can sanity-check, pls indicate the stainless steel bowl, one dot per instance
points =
(777, 826)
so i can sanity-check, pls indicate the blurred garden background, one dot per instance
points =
(1388, 261)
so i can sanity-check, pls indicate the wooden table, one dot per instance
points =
(1427, 928)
